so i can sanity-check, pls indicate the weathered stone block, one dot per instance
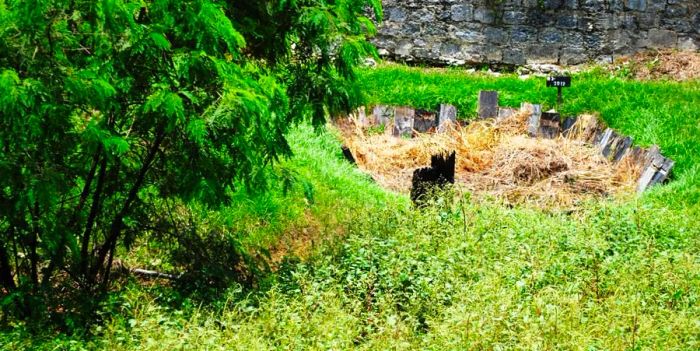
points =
(395, 14)
(663, 172)
(656, 169)
(661, 38)
(595, 132)
(522, 34)
(636, 5)
(636, 154)
(424, 15)
(514, 17)
(573, 56)
(649, 171)
(567, 21)
(689, 44)
(494, 55)
(513, 57)
(593, 42)
(461, 12)
(619, 41)
(551, 36)
(656, 5)
(552, 4)
(450, 49)
(606, 21)
(571, 4)
(404, 49)
(676, 11)
(433, 30)
(617, 5)
(495, 35)
(488, 104)
(594, 5)
(678, 25)
(647, 20)
(542, 54)
(484, 15)
(470, 36)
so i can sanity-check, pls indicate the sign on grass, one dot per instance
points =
(559, 82)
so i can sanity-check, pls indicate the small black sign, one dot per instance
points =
(559, 82)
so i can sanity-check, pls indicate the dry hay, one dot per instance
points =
(497, 158)
(666, 64)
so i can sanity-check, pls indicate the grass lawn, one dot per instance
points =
(613, 275)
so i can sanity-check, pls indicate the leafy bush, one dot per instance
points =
(111, 110)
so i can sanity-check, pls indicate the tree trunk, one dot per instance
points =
(5, 270)
(33, 243)
(117, 223)
(94, 210)
(57, 257)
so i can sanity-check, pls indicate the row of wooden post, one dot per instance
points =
(407, 120)
(612, 145)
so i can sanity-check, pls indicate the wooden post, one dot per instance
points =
(549, 125)
(622, 148)
(505, 113)
(448, 114)
(383, 114)
(533, 124)
(424, 121)
(567, 124)
(403, 121)
(488, 104)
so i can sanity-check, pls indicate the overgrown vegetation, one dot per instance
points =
(123, 118)
(612, 274)
(186, 137)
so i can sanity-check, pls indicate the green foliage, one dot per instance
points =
(115, 110)
(614, 274)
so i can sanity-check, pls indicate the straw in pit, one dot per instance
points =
(496, 158)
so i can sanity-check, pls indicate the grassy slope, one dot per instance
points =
(463, 275)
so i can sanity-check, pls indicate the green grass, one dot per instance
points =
(613, 275)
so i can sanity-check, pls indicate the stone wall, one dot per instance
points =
(518, 32)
